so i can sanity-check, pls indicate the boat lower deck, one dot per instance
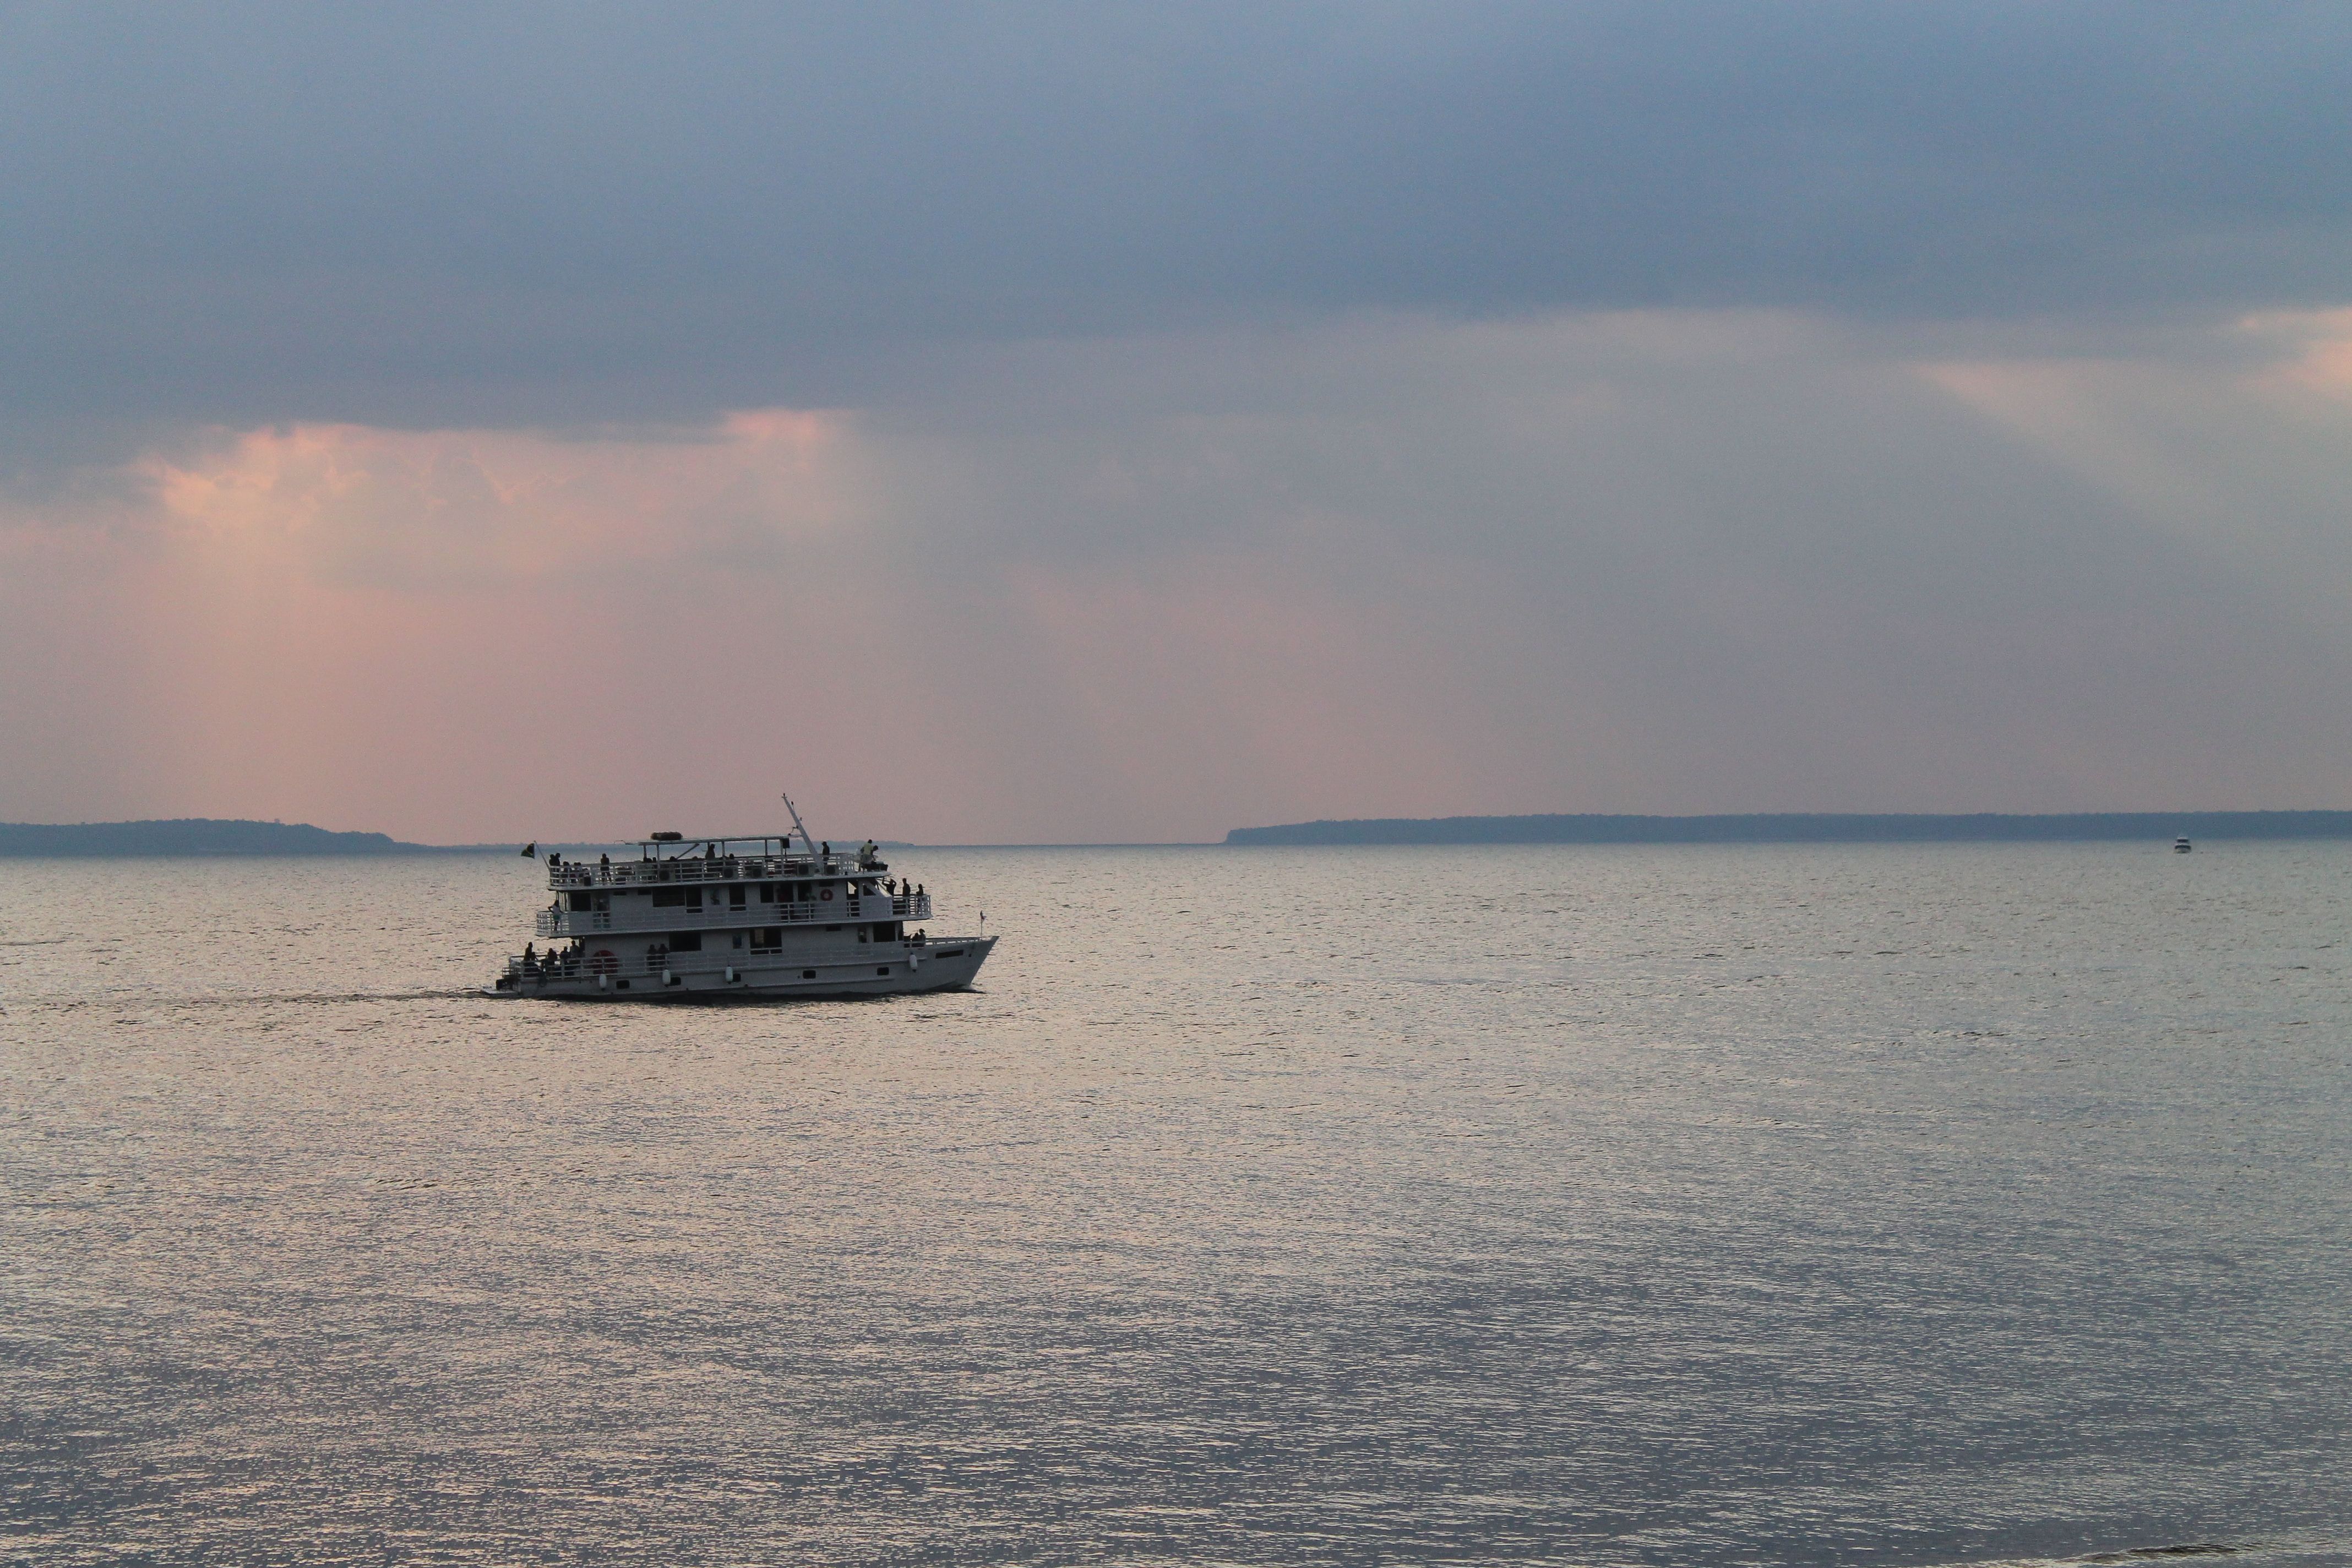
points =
(939, 964)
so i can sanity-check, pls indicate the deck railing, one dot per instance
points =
(810, 912)
(712, 868)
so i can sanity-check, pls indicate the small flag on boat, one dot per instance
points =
(531, 850)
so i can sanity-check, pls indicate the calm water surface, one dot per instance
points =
(1605, 1205)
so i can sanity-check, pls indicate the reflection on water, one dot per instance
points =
(1688, 1205)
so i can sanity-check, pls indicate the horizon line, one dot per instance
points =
(253, 837)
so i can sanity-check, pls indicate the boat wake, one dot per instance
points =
(117, 1001)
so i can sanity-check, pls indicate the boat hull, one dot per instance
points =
(939, 965)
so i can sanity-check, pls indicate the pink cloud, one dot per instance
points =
(1139, 590)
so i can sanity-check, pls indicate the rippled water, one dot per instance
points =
(1689, 1205)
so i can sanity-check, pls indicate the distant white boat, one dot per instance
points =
(2180, 846)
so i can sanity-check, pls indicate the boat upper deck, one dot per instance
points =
(712, 860)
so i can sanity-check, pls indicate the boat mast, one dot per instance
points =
(805, 839)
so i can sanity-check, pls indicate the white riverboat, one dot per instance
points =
(707, 918)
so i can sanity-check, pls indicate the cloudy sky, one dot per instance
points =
(1123, 422)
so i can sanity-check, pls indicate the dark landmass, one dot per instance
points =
(216, 835)
(198, 836)
(1808, 828)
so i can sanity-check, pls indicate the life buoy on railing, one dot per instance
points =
(825, 893)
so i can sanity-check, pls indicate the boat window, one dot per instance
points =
(767, 938)
(677, 897)
(735, 896)
(582, 900)
(685, 941)
(886, 930)
(767, 892)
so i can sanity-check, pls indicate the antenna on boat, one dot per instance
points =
(796, 822)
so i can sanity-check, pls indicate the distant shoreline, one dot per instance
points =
(1799, 828)
(227, 837)
(207, 835)
(231, 836)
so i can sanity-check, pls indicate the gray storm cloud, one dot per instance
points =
(526, 213)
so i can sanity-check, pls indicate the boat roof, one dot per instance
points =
(720, 840)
